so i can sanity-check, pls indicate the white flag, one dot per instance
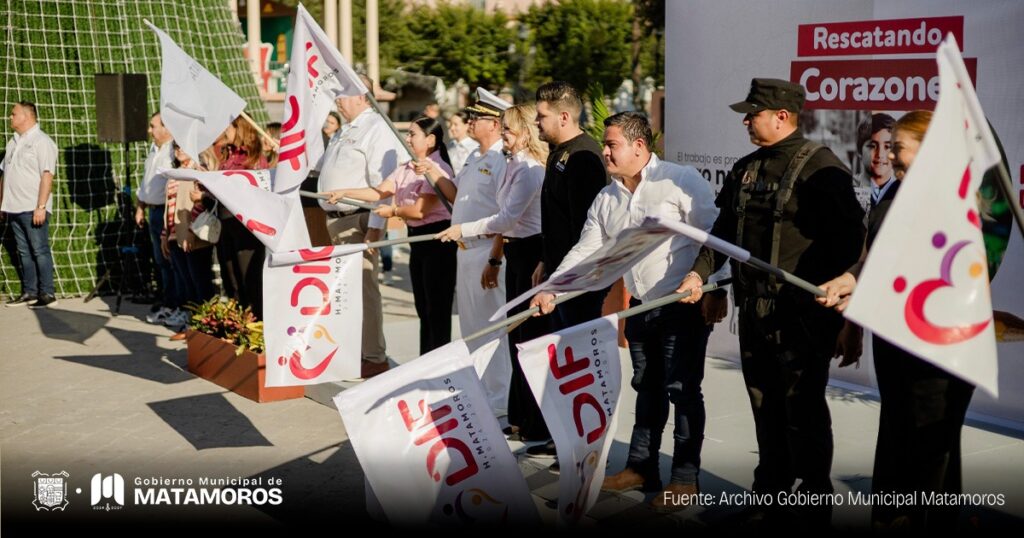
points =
(602, 268)
(313, 316)
(195, 106)
(576, 378)
(925, 285)
(317, 75)
(430, 447)
(275, 219)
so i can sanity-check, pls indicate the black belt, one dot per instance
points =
(339, 214)
(515, 239)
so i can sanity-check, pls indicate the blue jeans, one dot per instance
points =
(193, 274)
(163, 265)
(34, 252)
(667, 347)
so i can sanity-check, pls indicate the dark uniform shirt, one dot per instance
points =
(822, 234)
(575, 174)
(822, 227)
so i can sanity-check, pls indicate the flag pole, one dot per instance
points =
(788, 277)
(668, 299)
(522, 316)
(1006, 185)
(433, 184)
(400, 241)
(739, 254)
(260, 130)
(349, 201)
(956, 61)
(639, 309)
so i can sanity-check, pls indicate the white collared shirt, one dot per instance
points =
(153, 187)
(459, 151)
(877, 193)
(518, 199)
(361, 154)
(667, 190)
(28, 156)
(478, 185)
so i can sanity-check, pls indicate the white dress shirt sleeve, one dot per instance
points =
(525, 185)
(699, 207)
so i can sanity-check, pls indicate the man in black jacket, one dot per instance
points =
(790, 202)
(574, 174)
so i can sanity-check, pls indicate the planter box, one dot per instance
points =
(214, 359)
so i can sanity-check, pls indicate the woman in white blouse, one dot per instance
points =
(460, 145)
(516, 230)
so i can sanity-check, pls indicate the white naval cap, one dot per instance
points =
(488, 104)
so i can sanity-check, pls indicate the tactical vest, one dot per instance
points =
(750, 182)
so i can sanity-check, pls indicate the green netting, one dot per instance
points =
(50, 53)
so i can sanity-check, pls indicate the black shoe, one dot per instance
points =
(44, 301)
(555, 468)
(21, 301)
(542, 451)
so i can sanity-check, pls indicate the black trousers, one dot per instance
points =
(786, 371)
(923, 410)
(521, 258)
(432, 267)
(241, 256)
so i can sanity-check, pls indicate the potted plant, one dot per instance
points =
(225, 346)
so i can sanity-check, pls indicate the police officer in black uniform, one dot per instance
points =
(792, 203)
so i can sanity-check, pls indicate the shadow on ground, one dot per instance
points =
(209, 421)
(139, 361)
(67, 325)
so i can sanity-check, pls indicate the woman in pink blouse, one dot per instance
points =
(431, 263)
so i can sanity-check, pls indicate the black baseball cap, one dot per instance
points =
(771, 94)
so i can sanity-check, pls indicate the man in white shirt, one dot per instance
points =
(26, 200)
(152, 195)
(477, 199)
(361, 154)
(667, 344)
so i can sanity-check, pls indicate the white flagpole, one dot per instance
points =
(639, 309)
(740, 255)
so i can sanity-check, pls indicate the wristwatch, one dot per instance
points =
(494, 262)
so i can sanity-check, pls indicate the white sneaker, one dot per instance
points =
(177, 318)
(159, 316)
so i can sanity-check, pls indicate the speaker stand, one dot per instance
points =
(123, 252)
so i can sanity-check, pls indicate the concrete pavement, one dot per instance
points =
(87, 393)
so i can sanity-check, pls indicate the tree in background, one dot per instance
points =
(454, 41)
(581, 42)
(648, 46)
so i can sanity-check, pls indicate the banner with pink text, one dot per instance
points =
(576, 378)
(864, 63)
(430, 447)
(313, 315)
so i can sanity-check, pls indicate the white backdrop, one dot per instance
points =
(714, 48)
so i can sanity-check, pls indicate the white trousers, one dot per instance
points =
(475, 306)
